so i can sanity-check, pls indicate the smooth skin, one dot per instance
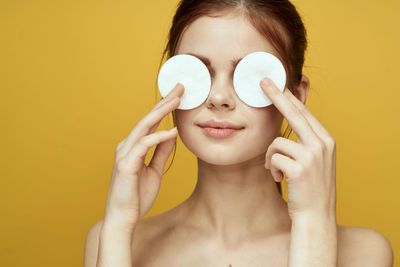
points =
(235, 215)
(134, 186)
(310, 169)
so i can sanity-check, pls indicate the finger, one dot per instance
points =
(144, 126)
(155, 126)
(280, 165)
(315, 124)
(292, 114)
(177, 91)
(137, 154)
(283, 146)
(161, 155)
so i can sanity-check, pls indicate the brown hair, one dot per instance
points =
(277, 20)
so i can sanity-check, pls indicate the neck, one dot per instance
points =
(238, 201)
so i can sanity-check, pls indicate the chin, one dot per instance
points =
(223, 158)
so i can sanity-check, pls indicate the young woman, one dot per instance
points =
(236, 215)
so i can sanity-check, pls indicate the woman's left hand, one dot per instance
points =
(309, 164)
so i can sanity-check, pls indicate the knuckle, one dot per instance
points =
(302, 109)
(120, 144)
(143, 140)
(308, 157)
(274, 157)
(118, 156)
(318, 147)
(143, 145)
(144, 121)
(297, 171)
(330, 143)
(140, 122)
(279, 139)
(122, 166)
(157, 137)
(276, 142)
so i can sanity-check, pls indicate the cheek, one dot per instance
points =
(187, 130)
(184, 120)
(265, 128)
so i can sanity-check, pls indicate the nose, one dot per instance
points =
(222, 95)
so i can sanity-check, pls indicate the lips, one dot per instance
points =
(220, 125)
(219, 129)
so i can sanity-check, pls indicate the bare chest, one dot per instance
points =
(210, 254)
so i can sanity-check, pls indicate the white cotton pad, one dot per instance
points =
(249, 73)
(189, 71)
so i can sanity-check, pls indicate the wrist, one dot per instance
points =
(313, 229)
(116, 227)
(115, 245)
(313, 241)
(313, 217)
(315, 225)
(111, 237)
(120, 221)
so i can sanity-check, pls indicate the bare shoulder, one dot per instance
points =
(358, 246)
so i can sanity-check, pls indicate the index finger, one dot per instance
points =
(292, 114)
(149, 123)
(176, 91)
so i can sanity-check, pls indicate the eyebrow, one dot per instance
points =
(207, 61)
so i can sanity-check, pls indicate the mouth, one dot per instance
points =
(220, 124)
(219, 132)
(219, 129)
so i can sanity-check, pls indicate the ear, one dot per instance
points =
(301, 91)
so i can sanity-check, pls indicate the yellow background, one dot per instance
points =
(76, 76)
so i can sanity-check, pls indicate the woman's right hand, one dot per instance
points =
(134, 186)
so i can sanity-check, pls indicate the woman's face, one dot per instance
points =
(222, 40)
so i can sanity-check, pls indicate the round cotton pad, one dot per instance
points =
(189, 71)
(249, 73)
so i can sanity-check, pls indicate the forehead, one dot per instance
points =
(222, 38)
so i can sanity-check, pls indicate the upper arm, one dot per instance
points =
(92, 244)
(364, 247)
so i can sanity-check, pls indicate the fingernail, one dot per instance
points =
(266, 82)
(173, 90)
(173, 129)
